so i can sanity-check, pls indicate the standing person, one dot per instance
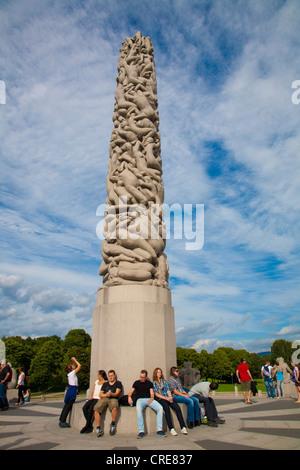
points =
(164, 397)
(108, 398)
(88, 408)
(244, 377)
(266, 373)
(181, 396)
(5, 377)
(201, 391)
(21, 386)
(278, 373)
(296, 379)
(143, 390)
(70, 396)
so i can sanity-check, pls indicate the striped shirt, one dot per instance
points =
(175, 384)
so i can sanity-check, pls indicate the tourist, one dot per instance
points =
(109, 393)
(244, 377)
(88, 408)
(164, 397)
(5, 377)
(181, 396)
(143, 391)
(27, 395)
(266, 373)
(201, 391)
(296, 380)
(71, 370)
(278, 373)
(21, 386)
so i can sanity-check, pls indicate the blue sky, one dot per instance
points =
(230, 138)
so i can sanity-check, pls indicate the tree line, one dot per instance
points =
(44, 359)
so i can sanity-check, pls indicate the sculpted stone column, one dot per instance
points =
(133, 322)
(133, 251)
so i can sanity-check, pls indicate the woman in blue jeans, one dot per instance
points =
(180, 396)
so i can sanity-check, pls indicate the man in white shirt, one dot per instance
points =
(201, 390)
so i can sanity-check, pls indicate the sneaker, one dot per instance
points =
(99, 432)
(64, 425)
(161, 434)
(173, 432)
(113, 429)
(190, 424)
(213, 424)
(184, 431)
(220, 420)
(197, 423)
(140, 435)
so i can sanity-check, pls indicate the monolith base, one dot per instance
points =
(133, 329)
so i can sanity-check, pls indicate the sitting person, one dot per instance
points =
(108, 398)
(201, 391)
(181, 396)
(88, 408)
(164, 397)
(144, 393)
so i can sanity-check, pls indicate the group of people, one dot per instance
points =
(5, 378)
(270, 375)
(157, 394)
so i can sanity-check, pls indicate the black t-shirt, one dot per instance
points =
(142, 389)
(107, 387)
(4, 372)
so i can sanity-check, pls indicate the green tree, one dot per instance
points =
(45, 369)
(281, 348)
(77, 337)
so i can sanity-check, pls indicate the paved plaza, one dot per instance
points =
(268, 424)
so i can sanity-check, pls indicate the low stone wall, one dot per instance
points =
(126, 420)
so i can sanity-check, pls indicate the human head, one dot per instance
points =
(69, 367)
(213, 386)
(143, 375)
(174, 371)
(102, 373)
(111, 375)
(156, 371)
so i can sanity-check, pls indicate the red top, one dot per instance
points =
(242, 368)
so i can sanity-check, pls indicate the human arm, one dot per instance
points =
(130, 393)
(78, 366)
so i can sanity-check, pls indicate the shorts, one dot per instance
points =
(246, 386)
(103, 403)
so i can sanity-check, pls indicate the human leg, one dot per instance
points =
(190, 407)
(166, 407)
(154, 405)
(141, 403)
(64, 414)
(178, 412)
(3, 396)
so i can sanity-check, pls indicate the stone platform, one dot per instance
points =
(126, 420)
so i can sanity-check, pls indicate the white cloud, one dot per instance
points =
(230, 140)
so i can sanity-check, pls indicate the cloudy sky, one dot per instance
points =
(230, 137)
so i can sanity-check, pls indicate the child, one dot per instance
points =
(70, 397)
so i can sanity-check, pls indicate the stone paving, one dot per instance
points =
(268, 424)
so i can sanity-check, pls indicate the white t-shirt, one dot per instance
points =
(97, 390)
(72, 378)
(201, 388)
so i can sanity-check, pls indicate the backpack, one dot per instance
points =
(266, 372)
